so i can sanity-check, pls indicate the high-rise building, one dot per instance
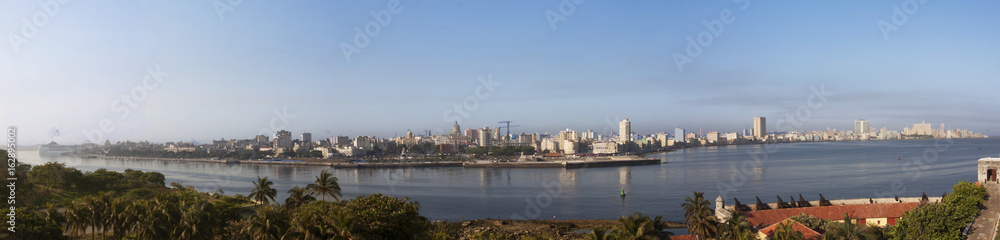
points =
(485, 137)
(922, 128)
(759, 127)
(472, 133)
(283, 139)
(340, 141)
(679, 134)
(307, 137)
(861, 126)
(712, 137)
(624, 130)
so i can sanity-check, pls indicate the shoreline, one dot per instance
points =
(766, 143)
(630, 160)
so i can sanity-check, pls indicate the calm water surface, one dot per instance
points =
(835, 169)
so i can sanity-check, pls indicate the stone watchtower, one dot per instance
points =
(988, 167)
(721, 214)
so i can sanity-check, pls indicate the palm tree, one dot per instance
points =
(698, 216)
(848, 231)
(325, 184)
(638, 226)
(736, 227)
(196, 222)
(268, 224)
(786, 231)
(598, 234)
(297, 197)
(52, 214)
(76, 219)
(262, 191)
(115, 215)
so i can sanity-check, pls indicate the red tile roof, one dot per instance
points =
(877, 210)
(683, 237)
(806, 231)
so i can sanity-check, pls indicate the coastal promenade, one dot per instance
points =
(984, 226)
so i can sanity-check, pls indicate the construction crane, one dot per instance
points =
(508, 126)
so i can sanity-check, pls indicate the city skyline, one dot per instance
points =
(179, 71)
(284, 137)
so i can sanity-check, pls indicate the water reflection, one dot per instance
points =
(835, 169)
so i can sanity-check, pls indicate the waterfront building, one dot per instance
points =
(624, 130)
(587, 136)
(261, 140)
(662, 138)
(485, 137)
(340, 141)
(712, 137)
(922, 128)
(759, 127)
(732, 137)
(861, 127)
(282, 139)
(550, 145)
(605, 147)
(363, 143)
(692, 137)
(307, 137)
(569, 147)
(679, 134)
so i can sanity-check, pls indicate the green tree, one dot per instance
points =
(599, 234)
(967, 198)
(325, 184)
(31, 226)
(786, 231)
(736, 227)
(270, 223)
(699, 217)
(385, 217)
(931, 221)
(55, 176)
(322, 220)
(848, 230)
(297, 197)
(262, 191)
(638, 226)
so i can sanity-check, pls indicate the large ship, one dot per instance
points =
(54, 149)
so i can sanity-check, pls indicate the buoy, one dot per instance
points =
(623, 192)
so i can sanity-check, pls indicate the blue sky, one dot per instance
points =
(224, 77)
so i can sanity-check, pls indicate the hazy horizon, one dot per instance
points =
(206, 71)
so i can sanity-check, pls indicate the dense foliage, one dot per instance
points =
(944, 220)
(138, 205)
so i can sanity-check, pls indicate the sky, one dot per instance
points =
(160, 71)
